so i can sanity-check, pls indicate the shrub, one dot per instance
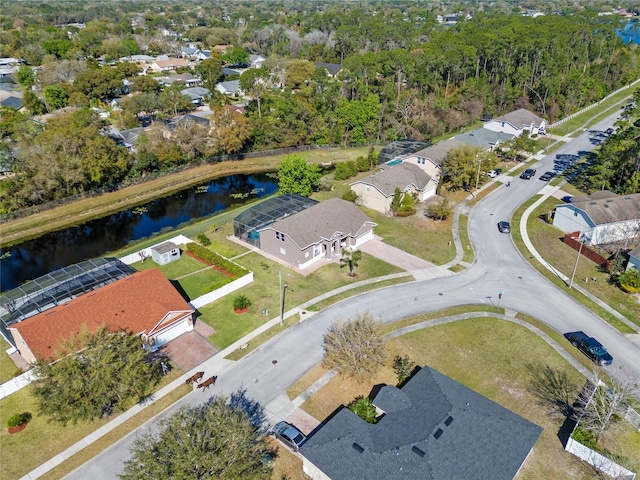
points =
(204, 240)
(584, 437)
(630, 280)
(403, 366)
(326, 184)
(440, 210)
(345, 170)
(217, 259)
(350, 196)
(364, 408)
(241, 302)
(363, 164)
(18, 419)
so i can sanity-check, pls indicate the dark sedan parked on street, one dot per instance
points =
(546, 176)
(590, 347)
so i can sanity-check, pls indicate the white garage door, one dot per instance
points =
(173, 332)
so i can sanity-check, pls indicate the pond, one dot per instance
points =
(55, 250)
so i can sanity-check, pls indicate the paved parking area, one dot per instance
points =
(401, 259)
(192, 348)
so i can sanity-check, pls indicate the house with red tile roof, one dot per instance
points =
(144, 303)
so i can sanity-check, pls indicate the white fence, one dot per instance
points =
(221, 292)
(136, 257)
(565, 119)
(600, 462)
(633, 418)
(16, 383)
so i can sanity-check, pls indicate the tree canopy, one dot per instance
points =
(356, 348)
(96, 375)
(295, 175)
(213, 440)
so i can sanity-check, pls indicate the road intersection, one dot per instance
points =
(498, 267)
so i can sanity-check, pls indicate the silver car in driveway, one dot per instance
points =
(289, 434)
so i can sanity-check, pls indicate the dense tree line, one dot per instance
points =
(616, 165)
(402, 76)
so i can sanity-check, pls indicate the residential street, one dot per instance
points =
(498, 267)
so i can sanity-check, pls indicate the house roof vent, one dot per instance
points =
(418, 451)
(438, 433)
(448, 421)
(359, 448)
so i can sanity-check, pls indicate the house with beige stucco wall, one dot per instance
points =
(376, 191)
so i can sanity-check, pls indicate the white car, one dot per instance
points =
(493, 174)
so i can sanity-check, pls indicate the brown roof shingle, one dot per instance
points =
(322, 221)
(139, 303)
(399, 176)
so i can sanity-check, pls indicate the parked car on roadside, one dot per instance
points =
(546, 176)
(590, 347)
(289, 435)
(528, 173)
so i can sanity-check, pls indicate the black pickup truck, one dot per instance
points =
(590, 347)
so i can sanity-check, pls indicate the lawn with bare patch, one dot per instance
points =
(488, 356)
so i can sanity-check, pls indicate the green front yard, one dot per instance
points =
(486, 355)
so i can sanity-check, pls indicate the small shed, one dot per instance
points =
(165, 253)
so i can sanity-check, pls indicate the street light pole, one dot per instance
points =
(575, 267)
(478, 176)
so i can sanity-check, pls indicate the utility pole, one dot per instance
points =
(281, 288)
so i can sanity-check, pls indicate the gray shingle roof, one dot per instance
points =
(164, 247)
(607, 207)
(399, 176)
(520, 118)
(438, 152)
(447, 432)
(332, 68)
(483, 138)
(322, 221)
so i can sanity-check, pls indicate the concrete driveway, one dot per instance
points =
(377, 248)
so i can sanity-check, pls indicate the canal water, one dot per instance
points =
(55, 250)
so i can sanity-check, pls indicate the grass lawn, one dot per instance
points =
(43, 439)
(547, 240)
(421, 236)
(189, 276)
(593, 115)
(8, 369)
(463, 229)
(264, 293)
(502, 375)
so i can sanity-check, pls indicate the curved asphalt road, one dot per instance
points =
(498, 267)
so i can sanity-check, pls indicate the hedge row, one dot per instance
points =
(218, 260)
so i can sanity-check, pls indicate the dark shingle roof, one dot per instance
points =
(164, 247)
(438, 152)
(399, 176)
(322, 221)
(445, 432)
(607, 207)
(332, 68)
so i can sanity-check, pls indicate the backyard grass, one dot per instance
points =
(81, 211)
(8, 369)
(189, 276)
(503, 375)
(43, 439)
(549, 245)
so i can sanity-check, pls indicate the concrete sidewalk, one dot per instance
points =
(281, 407)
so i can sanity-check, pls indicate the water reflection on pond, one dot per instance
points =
(39, 256)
